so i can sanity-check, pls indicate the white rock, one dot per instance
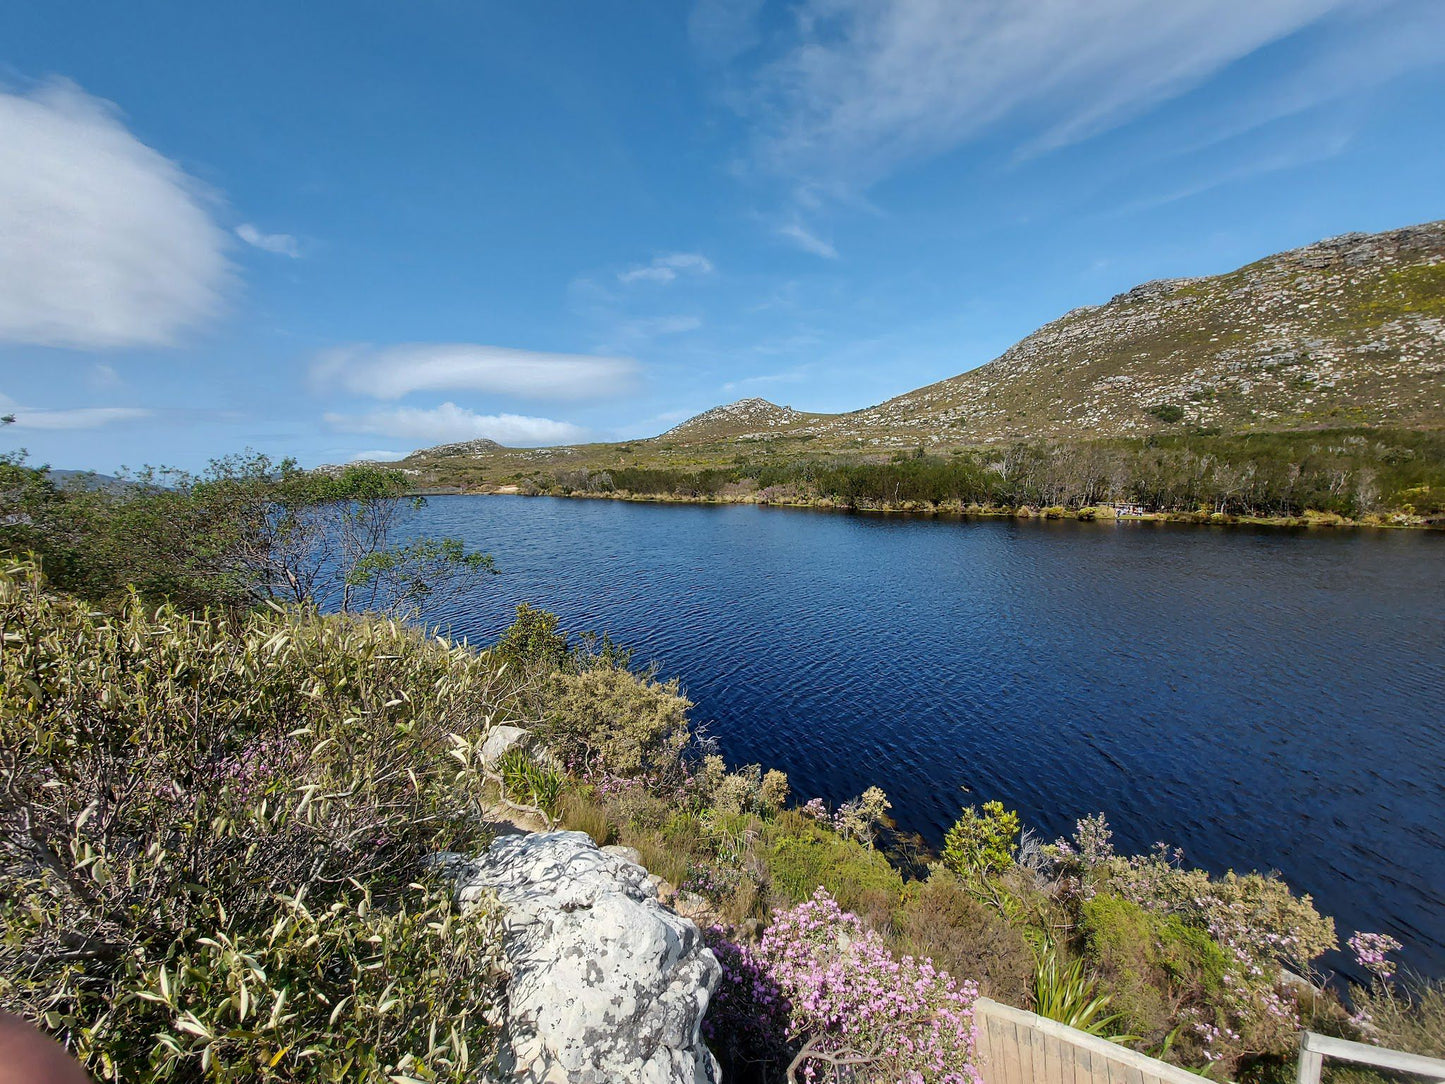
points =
(627, 854)
(499, 740)
(605, 983)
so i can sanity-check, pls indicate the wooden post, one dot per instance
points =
(1311, 1063)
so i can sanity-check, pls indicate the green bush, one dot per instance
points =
(1152, 964)
(205, 800)
(612, 722)
(858, 877)
(942, 920)
(532, 641)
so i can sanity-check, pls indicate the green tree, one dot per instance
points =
(982, 843)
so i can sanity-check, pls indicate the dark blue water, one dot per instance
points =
(1265, 699)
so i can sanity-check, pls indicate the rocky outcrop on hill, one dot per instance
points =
(605, 983)
(1345, 331)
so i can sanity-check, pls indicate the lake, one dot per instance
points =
(1262, 698)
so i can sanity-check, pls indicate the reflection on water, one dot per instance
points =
(1265, 699)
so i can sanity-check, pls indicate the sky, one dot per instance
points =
(348, 230)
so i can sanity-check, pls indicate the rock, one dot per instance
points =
(499, 740)
(691, 905)
(627, 854)
(605, 983)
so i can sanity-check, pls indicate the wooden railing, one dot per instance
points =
(1313, 1049)
(1018, 1047)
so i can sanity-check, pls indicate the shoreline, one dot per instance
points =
(958, 510)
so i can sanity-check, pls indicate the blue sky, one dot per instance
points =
(331, 230)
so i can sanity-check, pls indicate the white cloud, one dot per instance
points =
(380, 455)
(449, 422)
(282, 244)
(103, 241)
(390, 372)
(666, 268)
(808, 242)
(80, 418)
(870, 85)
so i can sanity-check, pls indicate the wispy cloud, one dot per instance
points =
(868, 86)
(390, 372)
(79, 418)
(103, 241)
(721, 29)
(791, 376)
(282, 244)
(799, 235)
(667, 268)
(103, 377)
(449, 422)
(381, 455)
(1286, 158)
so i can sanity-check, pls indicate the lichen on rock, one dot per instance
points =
(606, 984)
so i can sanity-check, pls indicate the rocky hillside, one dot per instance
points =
(1343, 333)
(747, 419)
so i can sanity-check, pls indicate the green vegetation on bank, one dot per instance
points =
(1374, 476)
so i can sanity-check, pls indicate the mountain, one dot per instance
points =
(1342, 333)
(1345, 331)
(747, 419)
(479, 446)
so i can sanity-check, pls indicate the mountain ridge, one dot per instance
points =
(1345, 331)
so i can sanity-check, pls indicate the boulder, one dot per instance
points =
(605, 983)
(499, 740)
(627, 854)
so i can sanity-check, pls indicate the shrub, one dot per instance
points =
(611, 722)
(738, 791)
(532, 641)
(773, 794)
(1154, 966)
(942, 920)
(184, 796)
(861, 818)
(982, 844)
(858, 877)
(838, 995)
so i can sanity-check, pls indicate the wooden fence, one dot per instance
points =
(1018, 1047)
(1313, 1049)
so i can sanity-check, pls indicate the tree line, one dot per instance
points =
(1346, 472)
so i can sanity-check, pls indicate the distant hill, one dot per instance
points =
(747, 419)
(85, 479)
(1345, 332)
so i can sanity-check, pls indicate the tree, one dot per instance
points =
(982, 843)
(249, 530)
